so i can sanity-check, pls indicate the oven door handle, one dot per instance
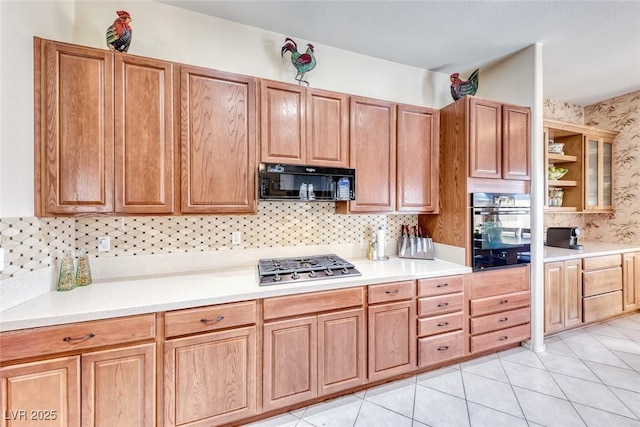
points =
(504, 212)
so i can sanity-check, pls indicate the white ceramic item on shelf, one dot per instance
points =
(556, 148)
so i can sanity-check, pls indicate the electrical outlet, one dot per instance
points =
(236, 237)
(104, 244)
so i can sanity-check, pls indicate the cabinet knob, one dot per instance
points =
(443, 348)
(504, 319)
(444, 304)
(440, 325)
(393, 292)
(503, 338)
(442, 285)
(504, 301)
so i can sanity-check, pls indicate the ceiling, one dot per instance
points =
(591, 49)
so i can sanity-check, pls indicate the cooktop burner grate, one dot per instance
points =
(286, 270)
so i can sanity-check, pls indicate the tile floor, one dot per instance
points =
(587, 377)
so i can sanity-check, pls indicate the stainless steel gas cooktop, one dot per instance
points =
(301, 269)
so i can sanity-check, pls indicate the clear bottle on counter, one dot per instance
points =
(66, 278)
(83, 271)
(303, 191)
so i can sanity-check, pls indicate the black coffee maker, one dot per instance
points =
(563, 237)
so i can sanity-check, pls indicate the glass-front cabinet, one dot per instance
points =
(579, 161)
(598, 174)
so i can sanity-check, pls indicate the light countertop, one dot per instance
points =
(590, 249)
(149, 294)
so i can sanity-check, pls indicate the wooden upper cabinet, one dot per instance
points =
(74, 129)
(516, 142)
(104, 132)
(485, 139)
(218, 141)
(144, 135)
(418, 159)
(373, 154)
(303, 126)
(282, 123)
(499, 140)
(327, 128)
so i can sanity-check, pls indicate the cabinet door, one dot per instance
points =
(373, 154)
(327, 128)
(210, 379)
(485, 139)
(282, 123)
(516, 142)
(119, 387)
(218, 142)
(392, 339)
(598, 170)
(144, 135)
(630, 281)
(418, 160)
(290, 363)
(572, 293)
(42, 393)
(341, 351)
(74, 138)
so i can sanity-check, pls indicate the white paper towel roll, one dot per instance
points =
(380, 238)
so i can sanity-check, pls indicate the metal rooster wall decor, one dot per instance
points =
(304, 62)
(460, 88)
(119, 34)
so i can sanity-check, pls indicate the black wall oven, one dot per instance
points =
(501, 230)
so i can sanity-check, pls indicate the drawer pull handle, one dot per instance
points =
(444, 304)
(504, 301)
(86, 337)
(217, 319)
(443, 348)
(443, 324)
(442, 285)
(393, 292)
(504, 319)
(503, 338)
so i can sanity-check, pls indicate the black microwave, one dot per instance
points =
(305, 183)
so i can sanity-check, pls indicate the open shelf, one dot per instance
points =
(562, 183)
(561, 158)
(561, 209)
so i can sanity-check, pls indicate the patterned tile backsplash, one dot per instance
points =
(33, 243)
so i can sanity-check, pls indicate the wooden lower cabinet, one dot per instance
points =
(392, 339)
(499, 308)
(631, 281)
(562, 295)
(118, 387)
(210, 379)
(312, 356)
(602, 284)
(46, 392)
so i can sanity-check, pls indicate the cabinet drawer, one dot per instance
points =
(505, 302)
(194, 320)
(75, 336)
(441, 304)
(494, 322)
(500, 338)
(392, 291)
(296, 305)
(497, 282)
(602, 306)
(440, 285)
(439, 324)
(440, 348)
(607, 261)
(601, 281)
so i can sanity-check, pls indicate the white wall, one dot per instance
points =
(166, 32)
(19, 22)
